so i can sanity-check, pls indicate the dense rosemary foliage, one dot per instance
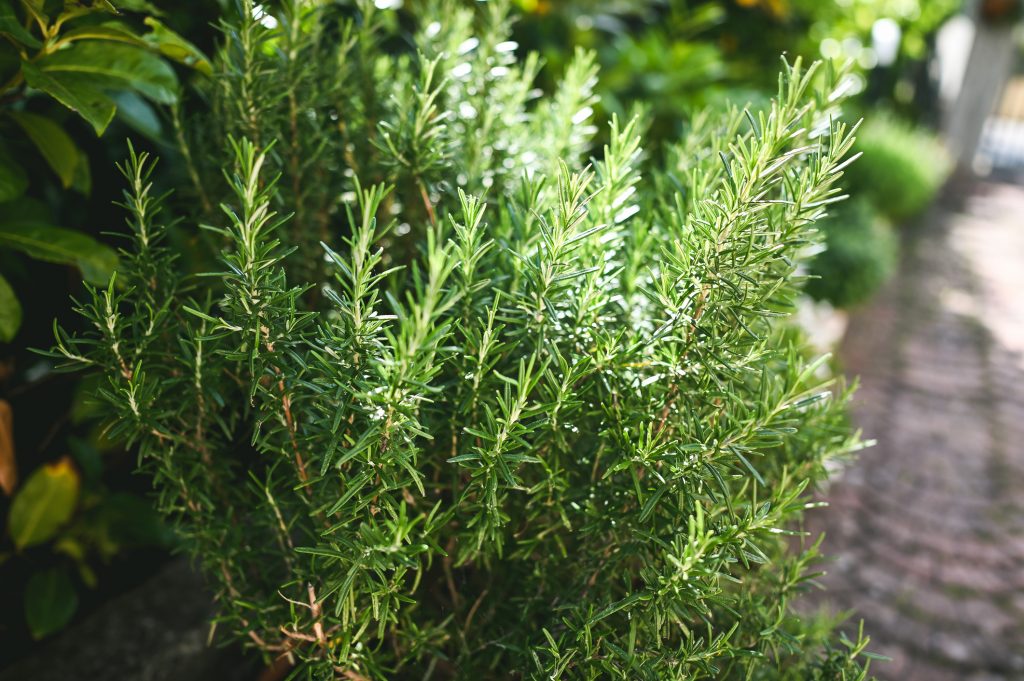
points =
(540, 418)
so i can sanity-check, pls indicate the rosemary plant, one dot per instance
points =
(529, 417)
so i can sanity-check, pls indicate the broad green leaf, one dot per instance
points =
(25, 208)
(118, 66)
(24, 226)
(10, 311)
(110, 31)
(38, 9)
(139, 115)
(43, 504)
(140, 6)
(11, 27)
(13, 180)
(175, 47)
(52, 142)
(82, 181)
(79, 92)
(50, 602)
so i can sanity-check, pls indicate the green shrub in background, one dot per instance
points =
(902, 167)
(520, 415)
(860, 255)
(900, 172)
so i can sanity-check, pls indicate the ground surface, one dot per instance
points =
(156, 632)
(927, 528)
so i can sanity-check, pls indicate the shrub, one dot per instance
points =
(859, 257)
(902, 168)
(542, 419)
(57, 56)
(67, 69)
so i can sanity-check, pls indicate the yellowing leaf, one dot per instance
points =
(177, 48)
(10, 312)
(43, 504)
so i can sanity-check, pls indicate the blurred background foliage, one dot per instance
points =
(680, 55)
(861, 251)
(77, 79)
(901, 169)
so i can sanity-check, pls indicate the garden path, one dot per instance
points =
(926, 529)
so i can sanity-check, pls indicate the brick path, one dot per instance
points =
(927, 528)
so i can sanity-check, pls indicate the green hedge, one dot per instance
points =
(902, 167)
(860, 255)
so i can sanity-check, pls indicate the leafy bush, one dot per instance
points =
(67, 70)
(859, 257)
(59, 56)
(520, 416)
(902, 168)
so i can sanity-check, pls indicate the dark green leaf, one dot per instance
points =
(53, 143)
(77, 91)
(50, 602)
(42, 241)
(651, 502)
(13, 180)
(109, 31)
(116, 66)
(748, 466)
(130, 520)
(140, 6)
(138, 114)
(12, 28)
(88, 458)
(82, 181)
